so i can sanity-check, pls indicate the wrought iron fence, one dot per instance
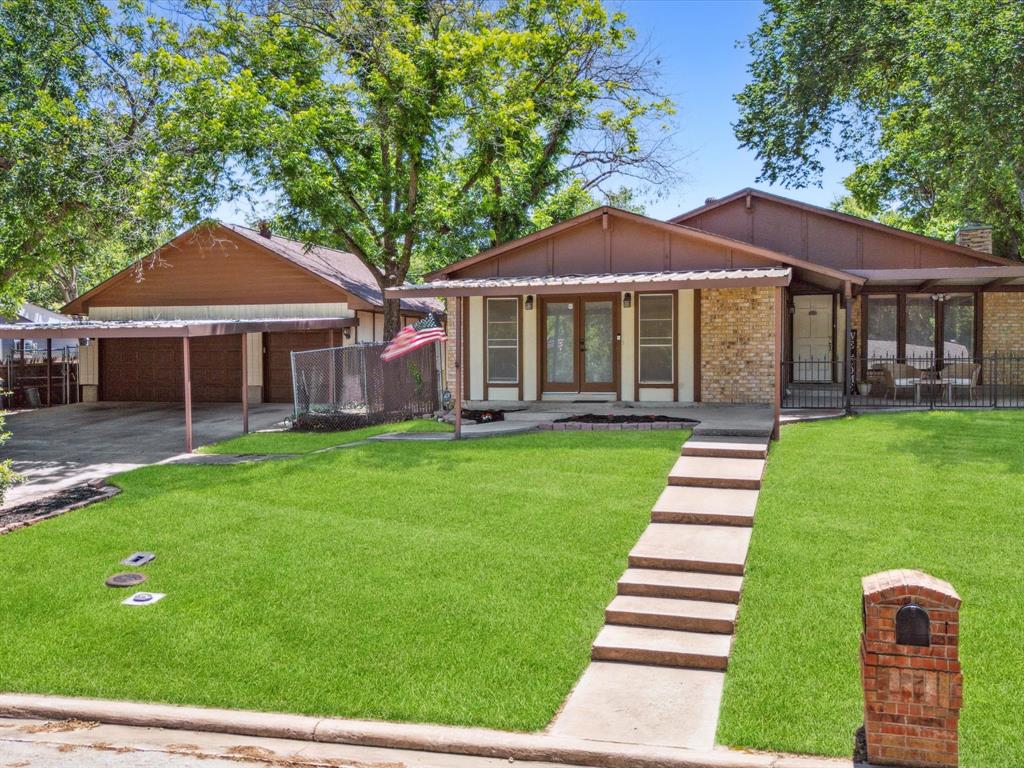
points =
(345, 387)
(926, 382)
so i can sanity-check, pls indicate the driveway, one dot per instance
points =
(58, 447)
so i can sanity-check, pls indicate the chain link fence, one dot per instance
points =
(347, 387)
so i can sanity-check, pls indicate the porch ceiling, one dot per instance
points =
(598, 283)
(936, 277)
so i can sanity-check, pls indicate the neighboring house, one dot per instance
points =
(33, 313)
(223, 272)
(712, 305)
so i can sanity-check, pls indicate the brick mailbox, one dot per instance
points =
(910, 669)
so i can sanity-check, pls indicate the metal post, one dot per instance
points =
(245, 383)
(848, 351)
(458, 367)
(188, 393)
(295, 390)
(49, 373)
(332, 371)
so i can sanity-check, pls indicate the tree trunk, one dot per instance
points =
(392, 318)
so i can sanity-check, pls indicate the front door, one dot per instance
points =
(580, 352)
(812, 338)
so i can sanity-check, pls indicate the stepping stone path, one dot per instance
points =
(671, 625)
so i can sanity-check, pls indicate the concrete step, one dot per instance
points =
(757, 429)
(727, 447)
(684, 585)
(705, 548)
(709, 506)
(662, 647)
(670, 613)
(708, 472)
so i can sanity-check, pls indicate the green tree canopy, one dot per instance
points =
(925, 96)
(78, 105)
(412, 131)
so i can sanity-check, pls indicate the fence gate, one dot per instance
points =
(346, 387)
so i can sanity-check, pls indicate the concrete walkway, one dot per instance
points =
(659, 662)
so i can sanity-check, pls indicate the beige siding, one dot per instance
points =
(476, 348)
(530, 373)
(684, 347)
(627, 349)
(222, 312)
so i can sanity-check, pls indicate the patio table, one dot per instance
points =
(932, 380)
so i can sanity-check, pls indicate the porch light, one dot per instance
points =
(346, 332)
(627, 299)
(529, 302)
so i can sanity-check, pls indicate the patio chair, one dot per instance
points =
(900, 376)
(962, 373)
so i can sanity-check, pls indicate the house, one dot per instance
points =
(222, 274)
(33, 313)
(724, 304)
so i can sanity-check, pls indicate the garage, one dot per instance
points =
(151, 370)
(277, 364)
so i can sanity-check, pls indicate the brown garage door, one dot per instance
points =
(151, 370)
(277, 365)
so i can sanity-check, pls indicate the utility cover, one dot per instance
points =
(125, 579)
(138, 558)
(143, 598)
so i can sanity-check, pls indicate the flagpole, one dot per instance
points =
(458, 367)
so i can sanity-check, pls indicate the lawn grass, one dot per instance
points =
(940, 492)
(289, 441)
(458, 583)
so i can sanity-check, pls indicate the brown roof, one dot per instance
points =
(340, 267)
(118, 329)
(867, 223)
(607, 281)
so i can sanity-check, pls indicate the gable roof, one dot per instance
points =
(856, 220)
(338, 268)
(698, 234)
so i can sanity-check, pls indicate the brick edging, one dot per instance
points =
(584, 426)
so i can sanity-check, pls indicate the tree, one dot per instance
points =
(78, 107)
(923, 95)
(412, 129)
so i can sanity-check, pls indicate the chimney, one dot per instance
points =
(977, 237)
(264, 227)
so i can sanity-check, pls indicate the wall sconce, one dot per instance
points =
(627, 300)
(529, 302)
(347, 333)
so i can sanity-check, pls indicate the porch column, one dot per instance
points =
(780, 304)
(245, 383)
(847, 352)
(188, 393)
(458, 367)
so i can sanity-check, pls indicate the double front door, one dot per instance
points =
(580, 336)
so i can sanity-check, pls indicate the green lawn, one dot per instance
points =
(307, 442)
(438, 582)
(940, 492)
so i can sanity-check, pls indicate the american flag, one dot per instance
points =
(426, 331)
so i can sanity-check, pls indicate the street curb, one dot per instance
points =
(478, 742)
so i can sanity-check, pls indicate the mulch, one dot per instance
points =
(55, 504)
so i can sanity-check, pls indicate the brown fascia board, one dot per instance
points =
(856, 220)
(185, 329)
(728, 242)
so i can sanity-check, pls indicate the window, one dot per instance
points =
(882, 316)
(655, 325)
(958, 326)
(920, 347)
(503, 341)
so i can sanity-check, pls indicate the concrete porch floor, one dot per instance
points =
(713, 418)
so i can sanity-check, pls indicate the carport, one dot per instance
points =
(177, 329)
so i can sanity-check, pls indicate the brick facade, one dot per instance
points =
(1003, 323)
(449, 347)
(737, 334)
(912, 689)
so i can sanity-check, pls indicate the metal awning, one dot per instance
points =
(934, 277)
(598, 283)
(127, 329)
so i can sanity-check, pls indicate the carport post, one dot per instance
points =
(458, 367)
(188, 394)
(245, 383)
(49, 373)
